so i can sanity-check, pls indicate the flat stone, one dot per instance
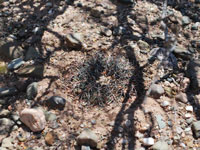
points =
(185, 20)
(189, 108)
(83, 147)
(189, 121)
(165, 104)
(33, 118)
(7, 91)
(74, 40)
(160, 145)
(56, 102)
(31, 70)
(8, 143)
(5, 125)
(88, 137)
(32, 90)
(156, 90)
(16, 63)
(4, 112)
(106, 31)
(148, 141)
(196, 128)
(32, 53)
(182, 97)
(160, 121)
(195, 26)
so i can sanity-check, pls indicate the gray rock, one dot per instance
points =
(7, 91)
(32, 53)
(88, 137)
(196, 129)
(195, 26)
(185, 20)
(143, 45)
(32, 90)
(16, 63)
(74, 40)
(182, 97)
(8, 143)
(106, 31)
(156, 90)
(193, 72)
(56, 102)
(2, 101)
(182, 53)
(15, 116)
(85, 147)
(189, 121)
(11, 50)
(160, 121)
(31, 71)
(160, 145)
(5, 125)
(50, 116)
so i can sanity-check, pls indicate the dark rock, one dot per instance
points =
(127, 1)
(32, 53)
(50, 116)
(16, 63)
(7, 91)
(32, 90)
(193, 72)
(182, 53)
(5, 125)
(119, 31)
(56, 102)
(31, 70)
(196, 129)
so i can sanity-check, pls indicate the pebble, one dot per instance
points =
(50, 116)
(83, 147)
(189, 108)
(185, 20)
(7, 143)
(5, 125)
(148, 141)
(32, 90)
(127, 1)
(93, 122)
(32, 53)
(160, 145)
(33, 118)
(49, 138)
(74, 40)
(16, 63)
(49, 4)
(106, 31)
(182, 97)
(187, 115)
(56, 102)
(183, 145)
(7, 91)
(4, 113)
(156, 90)
(88, 137)
(189, 121)
(165, 103)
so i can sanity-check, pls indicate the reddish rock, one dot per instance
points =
(34, 119)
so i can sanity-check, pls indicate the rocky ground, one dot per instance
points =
(74, 75)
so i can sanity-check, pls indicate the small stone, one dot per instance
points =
(182, 97)
(160, 121)
(160, 145)
(127, 1)
(4, 113)
(50, 116)
(157, 90)
(93, 122)
(195, 26)
(182, 53)
(74, 40)
(16, 63)
(189, 121)
(88, 137)
(196, 128)
(106, 31)
(7, 91)
(33, 118)
(185, 20)
(49, 4)
(139, 135)
(189, 108)
(8, 143)
(179, 130)
(49, 138)
(119, 31)
(187, 115)
(183, 145)
(32, 90)
(97, 11)
(148, 141)
(85, 147)
(143, 45)
(5, 125)
(56, 102)
(165, 103)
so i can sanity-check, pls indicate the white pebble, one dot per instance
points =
(165, 103)
(189, 108)
(148, 141)
(188, 115)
